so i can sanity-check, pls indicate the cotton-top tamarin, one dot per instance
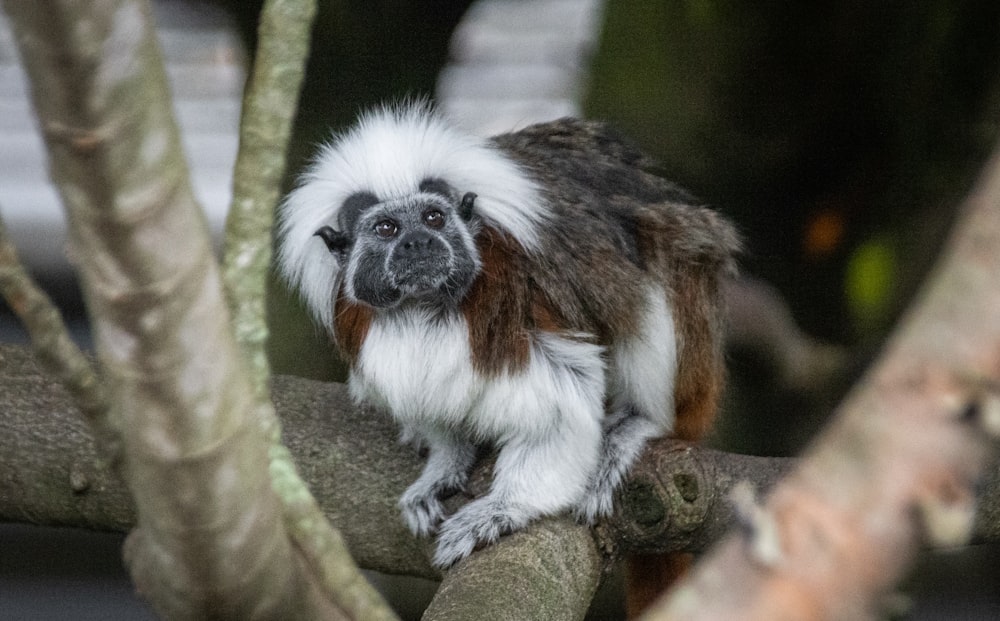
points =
(540, 292)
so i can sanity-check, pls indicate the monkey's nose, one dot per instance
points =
(417, 245)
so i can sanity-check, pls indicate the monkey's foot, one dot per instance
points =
(625, 436)
(478, 523)
(597, 503)
(599, 499)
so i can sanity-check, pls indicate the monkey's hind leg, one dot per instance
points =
(446, 471)
(625, 435)
(642, 371)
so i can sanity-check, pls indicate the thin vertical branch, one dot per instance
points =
(269, 106)
(50, 338)
(268, 112)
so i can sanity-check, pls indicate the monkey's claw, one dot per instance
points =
(422, 511)
(478, 523)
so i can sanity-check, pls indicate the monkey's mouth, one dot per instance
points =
(415, 280)
(421, 276)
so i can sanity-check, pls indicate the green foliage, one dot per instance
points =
(870, 284)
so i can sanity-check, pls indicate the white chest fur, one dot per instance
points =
(419, 367)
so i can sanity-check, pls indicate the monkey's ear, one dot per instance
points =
(468, 202)
(335, 241)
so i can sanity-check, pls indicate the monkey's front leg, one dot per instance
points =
(446, 470)
(533, 477)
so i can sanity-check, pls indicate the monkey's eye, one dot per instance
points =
(433, 218)
(386, 229)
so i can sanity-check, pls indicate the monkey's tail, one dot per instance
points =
(647, 576)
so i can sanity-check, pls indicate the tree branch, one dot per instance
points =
(210, 537)
(51, 341)
(549, 571)
(268, 111)
(45, 446)
(898, 466)
(759, 321)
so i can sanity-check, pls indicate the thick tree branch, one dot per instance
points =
(550, 571)
(898, 466)
(50, 469)
(326, 434)
(210, 537)
(50, 474)
(679, 498)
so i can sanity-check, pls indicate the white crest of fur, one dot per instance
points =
(388, 153)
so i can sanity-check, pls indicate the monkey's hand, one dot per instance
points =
(446, 472)
(477, 524)
(421, 502)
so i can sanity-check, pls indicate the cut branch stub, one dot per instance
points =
(677, 498)
(666, 500)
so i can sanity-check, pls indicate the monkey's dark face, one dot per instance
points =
(418, 247)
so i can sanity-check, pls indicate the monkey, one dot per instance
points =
(542, 292)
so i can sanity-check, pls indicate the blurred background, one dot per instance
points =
(839, 136)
